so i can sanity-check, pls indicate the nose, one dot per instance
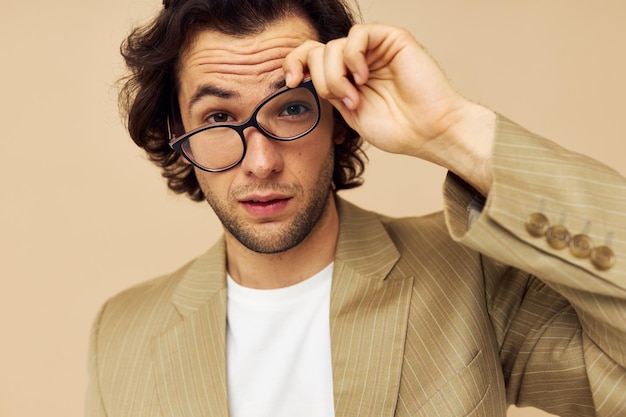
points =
(263, 157)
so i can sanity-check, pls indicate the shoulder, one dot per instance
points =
(427, 241)
(432, 226)
(428, 231)
(151, 307)
(146, 306)
(419, 241)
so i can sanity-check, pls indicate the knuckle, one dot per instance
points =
(357, 29)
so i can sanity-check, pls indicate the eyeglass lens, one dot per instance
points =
(286, 116)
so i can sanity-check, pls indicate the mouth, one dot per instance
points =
(264, 202)
(267, 206)
(264, 199)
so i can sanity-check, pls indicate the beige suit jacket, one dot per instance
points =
(426, 318)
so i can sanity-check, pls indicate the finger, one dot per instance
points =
(315, 66)
(324, 63)
(320, 61)
(336, 75)
(357, 47)
(295, 64)
(370, 48)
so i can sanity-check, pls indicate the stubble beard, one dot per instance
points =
(290, 235)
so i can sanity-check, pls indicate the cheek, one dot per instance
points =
(316, 152)
(212, 184)
(318, 158)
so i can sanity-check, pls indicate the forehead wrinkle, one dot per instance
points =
(286, 34)
(218, 49)
(239, 63)
(237, 69)
(214, 41)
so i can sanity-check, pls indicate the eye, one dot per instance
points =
(294, 110)
(218, 118)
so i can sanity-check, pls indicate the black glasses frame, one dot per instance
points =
(176, 143)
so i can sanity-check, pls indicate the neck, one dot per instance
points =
(270, 271)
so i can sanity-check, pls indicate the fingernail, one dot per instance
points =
(348, 102)
(288, 78)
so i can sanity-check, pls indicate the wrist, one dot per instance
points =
(466, 146)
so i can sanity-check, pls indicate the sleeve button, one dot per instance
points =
(558, 237)
(603, 258)
(581, 246)
(537, 224)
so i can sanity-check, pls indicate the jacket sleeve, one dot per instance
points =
(562, 335)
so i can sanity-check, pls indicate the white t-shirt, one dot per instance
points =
(278, 349)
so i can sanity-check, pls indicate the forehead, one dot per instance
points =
(215, 57)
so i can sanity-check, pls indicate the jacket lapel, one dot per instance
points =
(369, 313)
(190, 358)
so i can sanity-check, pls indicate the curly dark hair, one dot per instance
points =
(152, 54)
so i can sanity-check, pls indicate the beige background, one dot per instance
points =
(83, 215)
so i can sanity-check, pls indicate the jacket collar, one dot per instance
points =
(363, 245)
(368, 314)
(205, 277)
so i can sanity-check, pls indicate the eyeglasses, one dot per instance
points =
(286, 115)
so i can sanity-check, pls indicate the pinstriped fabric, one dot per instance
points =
(206, 276)
(190, 363)
(142, 336)
(584, 337)
(368, 341)
(368, 318)
(572, 190)
(450, 361)
(131, 313)
(420, 325)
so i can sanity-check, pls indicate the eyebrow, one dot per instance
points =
(213, 91)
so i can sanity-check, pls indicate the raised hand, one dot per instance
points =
(394, 94)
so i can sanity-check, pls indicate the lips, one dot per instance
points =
(263, 199)
(266, 206)
(263, 203)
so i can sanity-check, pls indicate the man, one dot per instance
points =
(310, 306)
